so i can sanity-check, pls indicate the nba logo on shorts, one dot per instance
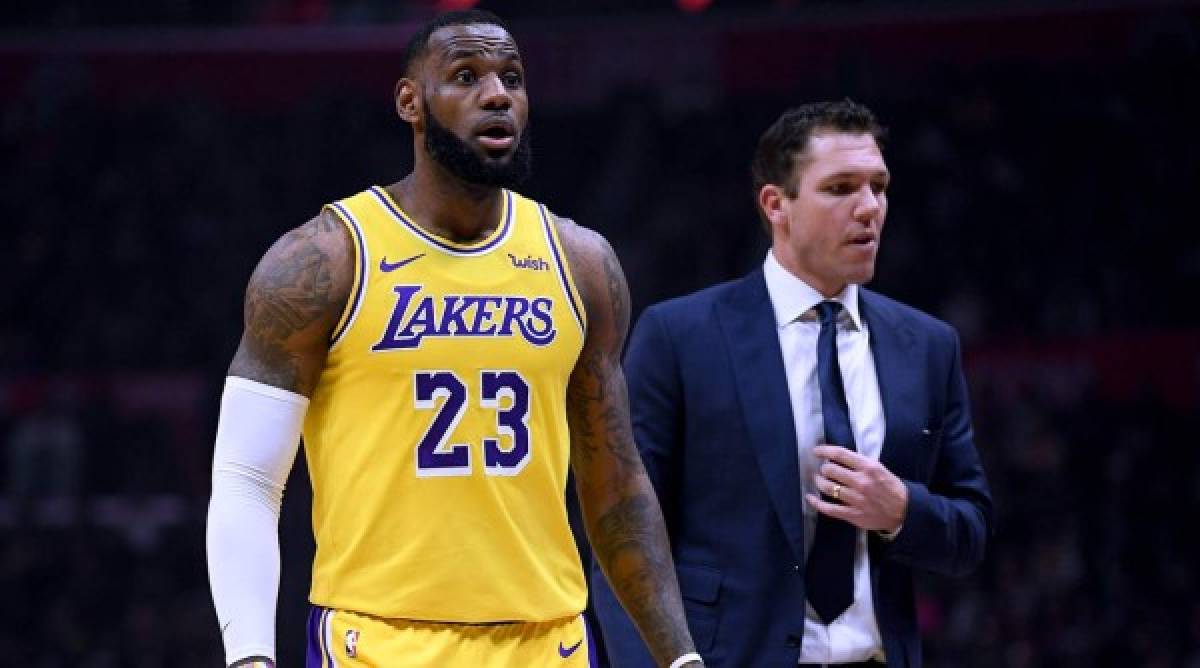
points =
(351, 643)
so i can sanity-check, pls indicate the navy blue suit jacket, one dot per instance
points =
(713, 422)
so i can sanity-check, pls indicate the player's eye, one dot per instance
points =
(840, 188)
(879, 187)
(464, 76)
(512, 79)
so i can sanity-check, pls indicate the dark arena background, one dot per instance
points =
(1046, 166)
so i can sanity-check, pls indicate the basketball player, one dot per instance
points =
(446, 347)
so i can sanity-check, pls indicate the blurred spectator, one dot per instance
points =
(44, 457)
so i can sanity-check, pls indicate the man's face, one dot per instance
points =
(828, 234)
(474, 105)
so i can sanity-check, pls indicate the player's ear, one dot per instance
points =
(408, 102)
(771, 199)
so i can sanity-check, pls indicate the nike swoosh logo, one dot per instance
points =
(565, 652)
(385, 266)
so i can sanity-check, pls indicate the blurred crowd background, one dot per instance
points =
(1045, 165)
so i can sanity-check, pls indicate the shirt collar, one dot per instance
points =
(792, 298)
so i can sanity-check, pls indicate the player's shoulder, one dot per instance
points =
(591, 257)
(312, 264)
(582, 244)
(325, 230)
(320, 244)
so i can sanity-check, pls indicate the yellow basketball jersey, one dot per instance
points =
(436, 437)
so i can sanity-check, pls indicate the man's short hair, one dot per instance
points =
(785, 142)
(417, 44)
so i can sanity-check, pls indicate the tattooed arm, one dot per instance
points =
(292, 304)
(621, 512)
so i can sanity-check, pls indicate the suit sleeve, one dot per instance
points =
(655, 406)
(949, 521)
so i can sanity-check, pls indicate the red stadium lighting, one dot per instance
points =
(693, 6)
(454, 5)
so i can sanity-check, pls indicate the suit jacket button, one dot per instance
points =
(796, 567)
(793, 640)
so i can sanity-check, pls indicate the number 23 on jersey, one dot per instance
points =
(437, 456)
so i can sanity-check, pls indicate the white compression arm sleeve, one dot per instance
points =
(258, 434)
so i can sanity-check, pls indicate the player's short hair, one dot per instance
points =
(415, 50)
(784, 144)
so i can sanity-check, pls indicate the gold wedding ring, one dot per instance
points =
(837, 492)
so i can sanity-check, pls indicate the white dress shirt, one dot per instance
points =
(853, 636)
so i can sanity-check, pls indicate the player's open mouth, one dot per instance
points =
(497, 135)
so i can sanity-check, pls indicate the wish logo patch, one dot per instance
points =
(529, 262)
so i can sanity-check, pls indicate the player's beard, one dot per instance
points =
(456, 156)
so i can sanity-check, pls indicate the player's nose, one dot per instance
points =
(493, 94)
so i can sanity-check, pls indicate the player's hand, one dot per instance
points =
(858, 490)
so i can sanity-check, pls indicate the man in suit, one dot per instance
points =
(809, 439)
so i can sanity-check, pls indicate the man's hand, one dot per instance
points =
(866, 494)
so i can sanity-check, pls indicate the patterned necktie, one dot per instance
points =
(829, 571)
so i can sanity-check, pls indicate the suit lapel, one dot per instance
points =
(890, 344)
(748, 324)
